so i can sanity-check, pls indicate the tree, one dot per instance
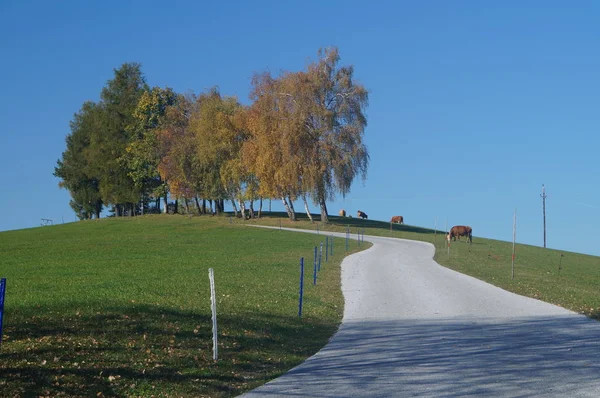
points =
(271, 151)
(302, 136)
(177, 144)
(219, 140)
(307, 132)
(108, 142)
(142, 154)
(73, 169)
(331, 105)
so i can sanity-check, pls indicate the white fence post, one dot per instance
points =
(213, 307)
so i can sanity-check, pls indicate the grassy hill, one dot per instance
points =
(121, 307)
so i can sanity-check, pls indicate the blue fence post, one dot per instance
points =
(326, 248)
(358, 237)
(2, 292)
(301, 286)
(314, 274)
(315, 262)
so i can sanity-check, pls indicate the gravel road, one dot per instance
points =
(414, 328)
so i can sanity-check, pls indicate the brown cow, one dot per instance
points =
(460, 230)
(342, 213)
(361, 214)
(397, 220)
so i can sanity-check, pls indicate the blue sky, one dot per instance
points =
(473, 105)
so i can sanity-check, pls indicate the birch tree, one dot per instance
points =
(220, 140)
(335, 121)
(271, 151)
(307, 132)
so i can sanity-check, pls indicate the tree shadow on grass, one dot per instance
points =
(146, 350)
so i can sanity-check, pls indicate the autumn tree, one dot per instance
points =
(271, 151)
(307, 132)
(219, 141)
(179, 164)
(333, 107)
(143, 153)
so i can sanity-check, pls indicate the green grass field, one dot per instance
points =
(121, 307)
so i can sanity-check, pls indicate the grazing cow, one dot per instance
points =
(361, 214)
(460, 230)
(397, 220)
(342, 213)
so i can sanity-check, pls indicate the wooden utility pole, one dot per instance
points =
(543, 195)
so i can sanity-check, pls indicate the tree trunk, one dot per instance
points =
(288, 209)
(176, 206)
(98, 209)
(198, 205)
(251, 209)
(186, 204)
(158, 204)
(210, 206)
(323, 206)
(166, 209)
(291, 202)
(306, 208)
(269, 205)
(235, 212)
(242, 208)
(203, 206)
(260, 207)
(132, 213)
